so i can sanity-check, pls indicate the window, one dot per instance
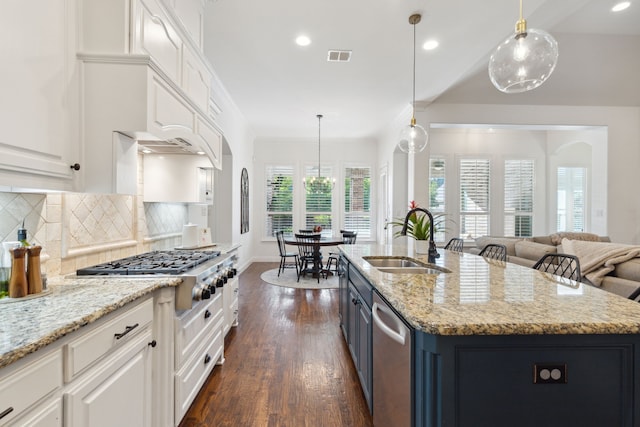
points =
(357, 201)
(474, 197)
(437, 194)
(279, 200)
(518, 197)
(318, 202)
(571, 199)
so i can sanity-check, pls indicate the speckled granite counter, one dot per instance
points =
(26, 326)
(486, 297)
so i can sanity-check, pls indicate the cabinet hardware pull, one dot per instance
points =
(207, 359)
(126, 331)
(355, 301)
(75, 166)
(207, 314)
(153, 344)
(235, 311)
(6, 412)
(235, 290)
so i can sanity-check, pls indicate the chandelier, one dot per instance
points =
(523, 61)
(413, 138)
(319, 184)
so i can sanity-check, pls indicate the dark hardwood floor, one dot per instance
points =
(287, 363)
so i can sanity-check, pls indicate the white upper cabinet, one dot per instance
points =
(38, 105)
(190, 14)
(155, 35)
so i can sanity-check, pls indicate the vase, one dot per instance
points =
(422, 246)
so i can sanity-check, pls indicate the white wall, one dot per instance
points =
(338, 153)
(623, 124)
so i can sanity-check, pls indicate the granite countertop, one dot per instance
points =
(71, 303)
(487, 297)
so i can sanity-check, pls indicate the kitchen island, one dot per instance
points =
(487, 334)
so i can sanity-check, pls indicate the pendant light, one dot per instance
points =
(413, 138)
(319, 184)
(523, 61)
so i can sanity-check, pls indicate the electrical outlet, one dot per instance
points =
(544, 373)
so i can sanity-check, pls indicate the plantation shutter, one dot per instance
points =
(518, 197)
(474, 197)
(279, 200)
(357, 201)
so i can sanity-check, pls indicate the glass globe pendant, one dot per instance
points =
(413, 138)
(524, 60)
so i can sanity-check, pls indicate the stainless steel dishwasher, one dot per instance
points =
(391, 367)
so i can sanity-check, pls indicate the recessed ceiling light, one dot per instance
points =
(200, 153)
(146, 151)
(430, 44)
(303, 41)
(618, 7)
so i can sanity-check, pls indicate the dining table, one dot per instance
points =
(317, 269)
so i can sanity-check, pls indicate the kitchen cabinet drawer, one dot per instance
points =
(190, 378)
(82, 352)
(46, 414)
(194, 325)
(25, 387)
(361, 284)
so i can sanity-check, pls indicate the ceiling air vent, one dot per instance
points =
(339, 56)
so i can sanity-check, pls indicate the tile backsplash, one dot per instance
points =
(78, 229)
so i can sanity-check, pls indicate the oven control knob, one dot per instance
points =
(219, 282)
(230, 273)
(199, 293)
(224, 278)
(234, 271)
(212, 288)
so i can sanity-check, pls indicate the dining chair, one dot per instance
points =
(284, 255)
(308, 252)
(456, 244)
(564, 265)
(494, 251)
(348, 238)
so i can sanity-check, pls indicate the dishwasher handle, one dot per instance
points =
(398, 336)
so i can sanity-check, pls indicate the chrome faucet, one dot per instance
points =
(433, 252)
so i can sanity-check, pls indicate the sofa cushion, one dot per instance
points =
(629, 270)
(556, 238)
(545, 240)
(509, 242)
(533, 250)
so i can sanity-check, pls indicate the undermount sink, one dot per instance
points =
(403, 265)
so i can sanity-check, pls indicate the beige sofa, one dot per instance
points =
(623, 280)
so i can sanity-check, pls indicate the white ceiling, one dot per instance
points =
(280, 87)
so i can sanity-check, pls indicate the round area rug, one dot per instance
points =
(288, 279)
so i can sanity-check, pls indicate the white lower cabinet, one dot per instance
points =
(117, 392)
(25, 385)
(199, 346)
(230, 297)
(46, 414)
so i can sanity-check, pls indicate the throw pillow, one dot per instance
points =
(556, 238)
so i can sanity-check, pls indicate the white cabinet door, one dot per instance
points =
(39, 95)
(116, 392)
(156, 36)
(196, 80)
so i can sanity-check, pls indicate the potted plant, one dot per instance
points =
(418, 227)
